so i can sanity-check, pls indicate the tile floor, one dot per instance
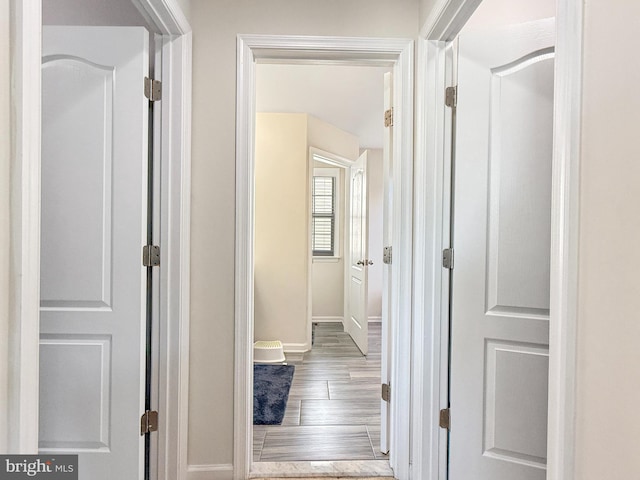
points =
(333, 411)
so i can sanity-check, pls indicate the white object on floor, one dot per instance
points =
(268, 351)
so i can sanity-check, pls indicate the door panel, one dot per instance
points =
(357, 324)
(501, 238)
(94, 204)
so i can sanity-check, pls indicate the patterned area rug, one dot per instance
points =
(271, 385)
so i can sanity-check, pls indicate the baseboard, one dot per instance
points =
(327, 319)
(375, 319)
(295, 347)
(221, 471)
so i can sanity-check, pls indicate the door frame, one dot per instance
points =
(332, 160)
(318, 50)
(431, 299)
(172, 27)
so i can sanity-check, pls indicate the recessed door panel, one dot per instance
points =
(520, 184)
(76, 269)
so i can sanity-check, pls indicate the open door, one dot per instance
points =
(502, 224)
(356, 321)
(387, 209)
(94, 224)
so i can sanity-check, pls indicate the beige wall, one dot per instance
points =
(215, 28)
(425, 8)
(5, 146)
(91, 12)
(281, 228)
(495, 13)
(608, 422)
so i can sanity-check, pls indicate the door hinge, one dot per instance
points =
(451, 97)
(149, 422)
(151, 256)
(447, 258)
(388, 118)
(445, 418)
(386, 392)
(152, 89)
(387, 255)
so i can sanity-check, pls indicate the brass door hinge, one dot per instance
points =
(150, 256)
(388, 118)
(152, 89)
(451, 97)
(149, 422)
(386, 392)
(445, 419)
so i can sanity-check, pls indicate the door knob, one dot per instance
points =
(364, 262)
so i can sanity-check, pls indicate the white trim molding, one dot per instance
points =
(223, 471)
(24, 317)
(327, 319)
(322, 50)
(430, 363)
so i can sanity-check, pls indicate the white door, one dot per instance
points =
(387, 208)
(501, 239)
(357, 318)
(94, 200)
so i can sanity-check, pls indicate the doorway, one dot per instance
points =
(26, 30)
(301, 49)
(432, 193)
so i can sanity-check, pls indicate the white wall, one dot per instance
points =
(327, 281)
(608, 422)
(215, 28)
(495, 13)
(375, 192)
(5, 149)
(281, 264)
(91, 12)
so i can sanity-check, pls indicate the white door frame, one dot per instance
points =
(430, 360)
(175, 31)
(318, 50)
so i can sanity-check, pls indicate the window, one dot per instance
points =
(324, 212)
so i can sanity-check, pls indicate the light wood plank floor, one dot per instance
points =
(333, 411)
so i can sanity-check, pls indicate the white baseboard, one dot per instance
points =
(295, 347)
(327, 319)
(221, 471)
(375, 319)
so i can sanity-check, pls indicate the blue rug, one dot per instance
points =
(271, 384)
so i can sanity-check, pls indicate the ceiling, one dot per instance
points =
(349, 97)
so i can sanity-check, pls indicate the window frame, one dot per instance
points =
(335, 173)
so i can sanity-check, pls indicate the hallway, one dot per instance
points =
(333, 411)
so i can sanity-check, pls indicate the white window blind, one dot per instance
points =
(324, 215)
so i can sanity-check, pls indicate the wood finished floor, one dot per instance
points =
(333, 411)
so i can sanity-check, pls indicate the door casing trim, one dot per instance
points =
(429, 444)
(23, 348)
(319, 50)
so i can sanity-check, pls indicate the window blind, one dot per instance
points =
(323, 215)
